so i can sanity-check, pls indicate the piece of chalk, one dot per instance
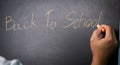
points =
(98, 25)
(102, 29)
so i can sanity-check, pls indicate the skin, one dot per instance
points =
(103, 44)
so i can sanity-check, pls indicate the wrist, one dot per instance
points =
(99, 61)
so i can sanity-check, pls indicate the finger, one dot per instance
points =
(100, 28)
(101, 32)
(108, 31)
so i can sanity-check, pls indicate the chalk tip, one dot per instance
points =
(98, 25)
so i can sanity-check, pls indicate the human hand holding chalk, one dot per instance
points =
(102, 47)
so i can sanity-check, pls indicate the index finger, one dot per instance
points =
(108, 31)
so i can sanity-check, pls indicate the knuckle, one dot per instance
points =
(109, 39)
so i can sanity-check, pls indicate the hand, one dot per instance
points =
(103, 43)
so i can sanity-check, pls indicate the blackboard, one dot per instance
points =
(53, 32)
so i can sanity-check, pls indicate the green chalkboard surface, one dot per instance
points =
(53, 32)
